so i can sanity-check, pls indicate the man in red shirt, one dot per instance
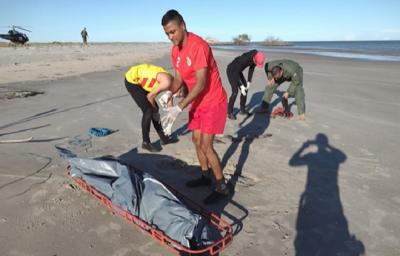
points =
(195, 66)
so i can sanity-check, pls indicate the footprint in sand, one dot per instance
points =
(37, 196)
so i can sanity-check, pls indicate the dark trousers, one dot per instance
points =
(139, 95)
(235, 82)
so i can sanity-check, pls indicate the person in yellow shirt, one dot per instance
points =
(144, 82)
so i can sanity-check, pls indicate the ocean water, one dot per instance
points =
(362, 50)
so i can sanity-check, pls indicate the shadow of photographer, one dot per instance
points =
(322, 228)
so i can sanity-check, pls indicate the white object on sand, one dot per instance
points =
(17, 141)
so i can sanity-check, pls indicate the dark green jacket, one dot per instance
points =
(292, 72)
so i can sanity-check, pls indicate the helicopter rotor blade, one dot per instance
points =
(22, 28)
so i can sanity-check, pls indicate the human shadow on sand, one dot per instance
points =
(251, 128)
(256, 99)
(322, 228)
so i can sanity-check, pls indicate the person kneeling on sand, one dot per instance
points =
(279, 71)
(144, 82)
(234, 71)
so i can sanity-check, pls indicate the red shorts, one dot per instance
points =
(209, 120)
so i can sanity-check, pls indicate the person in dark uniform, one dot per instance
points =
(84, 35)
(234, 71)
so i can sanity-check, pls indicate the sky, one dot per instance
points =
(140, 21)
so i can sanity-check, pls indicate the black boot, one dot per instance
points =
(231, 116)
(204, 180)
(150, 147)
(221, 191)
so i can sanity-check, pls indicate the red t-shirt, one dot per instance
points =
(194, 55)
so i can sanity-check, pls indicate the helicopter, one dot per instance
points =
(14, 36)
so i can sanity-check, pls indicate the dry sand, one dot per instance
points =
(53, 61)
(338, 196)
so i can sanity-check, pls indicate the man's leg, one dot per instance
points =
(205, 178)
(300, 102)
(139, 96)
(207, 146)
(268, 93)
(234, 82)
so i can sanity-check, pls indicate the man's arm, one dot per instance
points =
(297, 158)
(242, 79)
(250, 73)
(176, 83)
(164, 82)
(201, 79)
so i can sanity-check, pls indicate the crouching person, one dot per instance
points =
(278, 72)
(144, 82)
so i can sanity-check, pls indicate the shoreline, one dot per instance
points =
(383, 56)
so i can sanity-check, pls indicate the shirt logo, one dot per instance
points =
(188, 61)
(178, 60)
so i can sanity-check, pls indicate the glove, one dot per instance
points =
(163, 100)
(168, 120)
(243, 90)
(248, 85)
(168, 129)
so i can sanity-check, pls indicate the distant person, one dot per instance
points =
(234, 71)
(279, 71)
(144, 82)
(195, 66)
(84, 35)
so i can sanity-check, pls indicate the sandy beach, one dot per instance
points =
(334, 175)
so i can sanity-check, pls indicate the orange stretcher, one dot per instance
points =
(221, 225)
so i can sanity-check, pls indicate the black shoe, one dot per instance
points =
(148, 146)
(216, 196)
(202, 181)
(168, 140)
(232, 116)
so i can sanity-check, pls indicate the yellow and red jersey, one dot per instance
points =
(144, 75)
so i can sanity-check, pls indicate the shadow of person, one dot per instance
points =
(322, 228)
(247, 133)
